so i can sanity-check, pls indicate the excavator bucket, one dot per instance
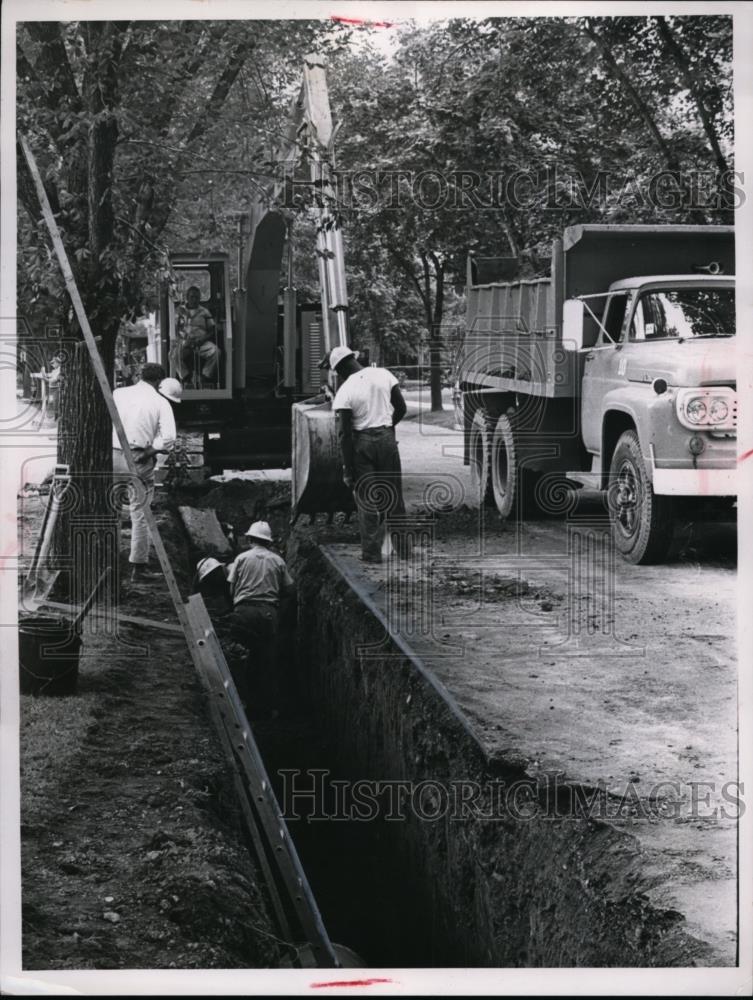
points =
(317, 479)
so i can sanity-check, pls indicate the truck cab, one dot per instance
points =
(615, 370)
(658, 400)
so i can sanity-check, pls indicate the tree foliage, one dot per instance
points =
(486, 136)
(492, 135)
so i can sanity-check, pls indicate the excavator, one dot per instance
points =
(254, 386)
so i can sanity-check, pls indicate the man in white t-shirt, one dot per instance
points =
(368, 405)
(149, 425)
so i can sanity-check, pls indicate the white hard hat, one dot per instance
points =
(206, 566)
(338, 354)
(171, 389)
(260, 530)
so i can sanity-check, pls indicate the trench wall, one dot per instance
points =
(479, 892)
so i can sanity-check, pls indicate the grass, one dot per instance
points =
(52, 731)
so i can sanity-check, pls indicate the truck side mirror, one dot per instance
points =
(573, 319)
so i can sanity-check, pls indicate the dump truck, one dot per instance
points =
(615, 372)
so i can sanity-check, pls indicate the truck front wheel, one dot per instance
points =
(641, 520)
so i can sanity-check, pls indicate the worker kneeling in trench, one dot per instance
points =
(258, 580)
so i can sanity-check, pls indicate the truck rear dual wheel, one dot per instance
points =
(641, 520)
(479, 451)
(513, 487)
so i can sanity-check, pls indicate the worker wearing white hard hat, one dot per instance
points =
(368, 405)
(171, 389)
(258, 579)
(335, 356)
(210, 581)
(260, 532)
(206, 566)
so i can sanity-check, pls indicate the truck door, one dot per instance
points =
(601, 371)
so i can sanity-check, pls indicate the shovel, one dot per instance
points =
(40, 578)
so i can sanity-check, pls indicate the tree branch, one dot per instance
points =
(219, 94)
(675, 50)
(52, 65)
(221, 90)
(642, 107)
(630, 89)
(27, 192)
(407, 269)
(140, 234)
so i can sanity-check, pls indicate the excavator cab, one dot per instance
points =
(196, 326)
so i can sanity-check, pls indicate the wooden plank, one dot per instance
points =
(126, 619)
(205, 532)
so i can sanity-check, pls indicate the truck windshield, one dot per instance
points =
(682, 313)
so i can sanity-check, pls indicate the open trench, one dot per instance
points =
(416, 851)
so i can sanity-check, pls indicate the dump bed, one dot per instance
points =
(513, 338)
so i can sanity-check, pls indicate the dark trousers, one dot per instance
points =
(254, 626)
(378, 485)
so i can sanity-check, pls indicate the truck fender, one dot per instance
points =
(624, 409)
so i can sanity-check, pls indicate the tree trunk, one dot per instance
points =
(435, 342)
(86, 535)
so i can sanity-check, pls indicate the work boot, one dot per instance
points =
(140, 573)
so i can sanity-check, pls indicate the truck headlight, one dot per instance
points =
(711, 408)
(695, 410)
(718, 411)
